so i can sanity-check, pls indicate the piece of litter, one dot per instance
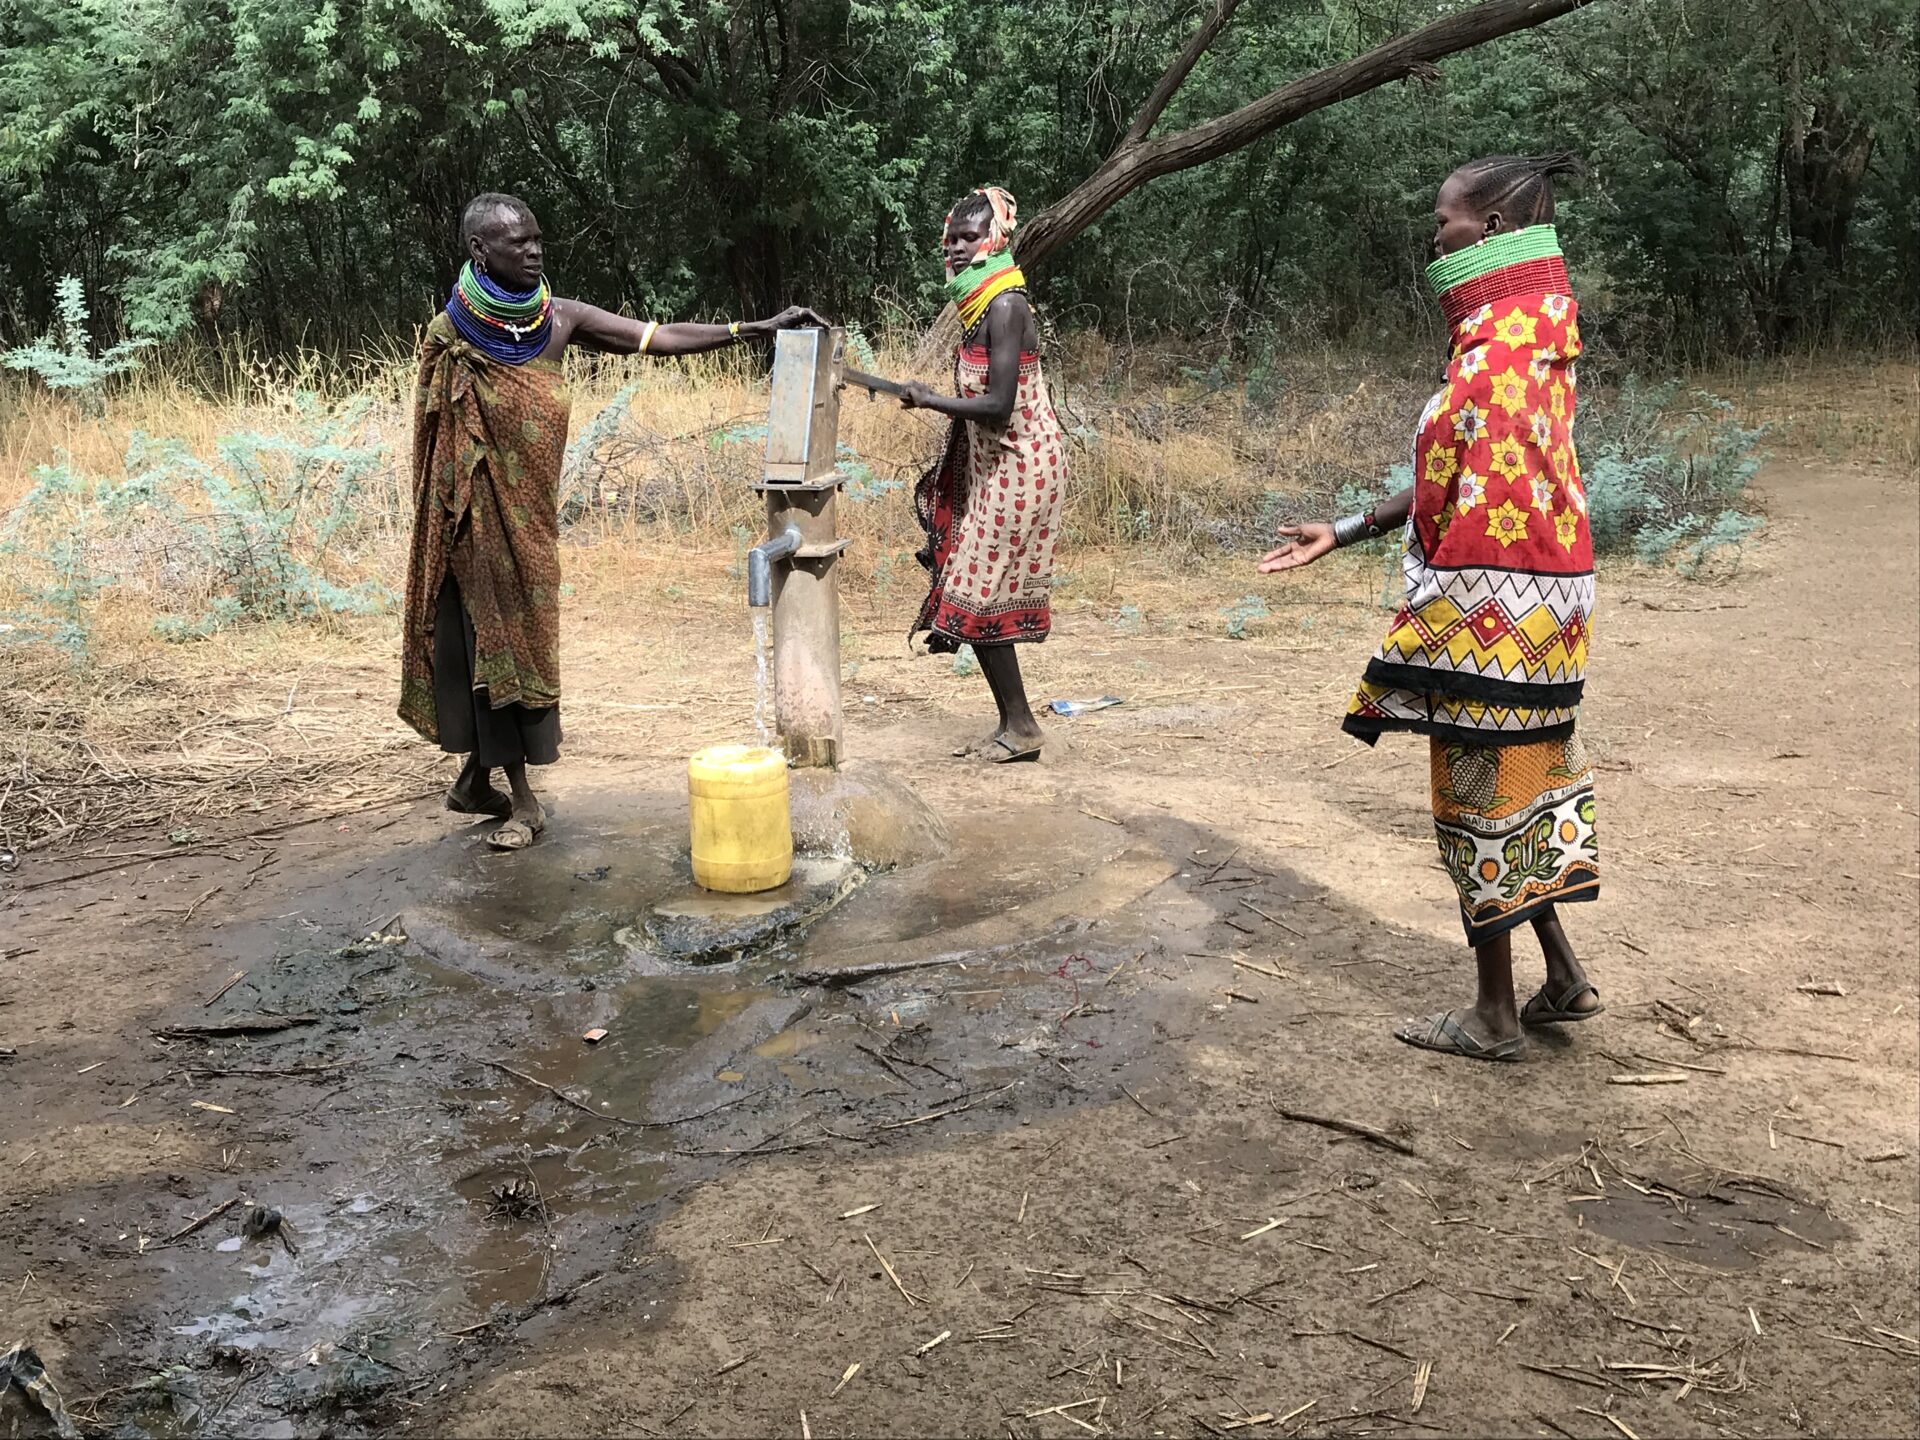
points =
(20, 1368)
(594, 1036)
(1071, 708)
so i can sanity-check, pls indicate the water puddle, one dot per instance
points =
(480, 1156)
(1729, 1229)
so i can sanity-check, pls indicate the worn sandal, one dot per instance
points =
(495, 802)
(1011, 754)
(514, 835)
(518, 834)
(1543, 1009)
(1445, 1034)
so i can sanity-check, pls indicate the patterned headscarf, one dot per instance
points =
(1005, 213)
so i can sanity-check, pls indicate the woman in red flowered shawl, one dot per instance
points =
(1487, 654)
(990, 506)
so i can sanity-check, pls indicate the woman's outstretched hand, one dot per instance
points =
(794, 317)
(1300, 545)
(914, 395)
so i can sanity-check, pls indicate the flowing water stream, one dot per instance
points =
(762, 686)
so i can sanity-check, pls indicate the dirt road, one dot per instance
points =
(1048, 1189)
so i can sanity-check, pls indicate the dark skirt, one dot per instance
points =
(469, 724)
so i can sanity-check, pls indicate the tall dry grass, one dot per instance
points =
(1175, 479)
(137, 731)
(1165, 467)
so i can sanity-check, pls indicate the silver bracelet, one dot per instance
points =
(1351, 529)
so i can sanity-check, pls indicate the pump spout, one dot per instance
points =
(760, 565)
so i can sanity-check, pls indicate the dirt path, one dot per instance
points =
(1086, 1210)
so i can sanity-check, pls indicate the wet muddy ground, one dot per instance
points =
(1042, 1178)
(398, 1034)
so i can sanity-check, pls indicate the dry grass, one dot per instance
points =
(1174, 486)
(1832, 408)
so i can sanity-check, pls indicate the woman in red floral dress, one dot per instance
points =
(1487, 655)
(991, 505)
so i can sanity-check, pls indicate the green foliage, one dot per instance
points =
(1128, 523)
(293, 170)
(1666, 475)
(585, 465)
(1389, 547)
(63, 358)
(860, 350)
(862, 484)
(276, 506)
(255, 534)
(1352, 499)
(44, 543)
(1243, 610)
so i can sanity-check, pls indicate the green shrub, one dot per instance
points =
(1666, 475)
(255, 534)
(63, 358)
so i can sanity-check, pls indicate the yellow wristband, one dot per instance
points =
(733, 330)
(646, 336)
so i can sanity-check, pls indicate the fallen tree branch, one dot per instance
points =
(200, 1222)
(1136, 159)
(626, 1120)
(854, 974)
(1348, 1127)
(237, 1025)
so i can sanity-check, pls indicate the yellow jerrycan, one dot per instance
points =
(742, 826)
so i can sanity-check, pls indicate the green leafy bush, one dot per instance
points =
(1246, 608)
(260, 532)
(1666, 476)
(63, 358)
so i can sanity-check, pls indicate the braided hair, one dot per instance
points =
(972, 206)
(1518, 187)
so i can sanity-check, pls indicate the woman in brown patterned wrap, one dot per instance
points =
(480, 663)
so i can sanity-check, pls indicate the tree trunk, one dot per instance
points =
(1136, 160)
(1825, 158)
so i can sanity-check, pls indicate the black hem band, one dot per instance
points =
(1454, 685)
(1370, 729)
